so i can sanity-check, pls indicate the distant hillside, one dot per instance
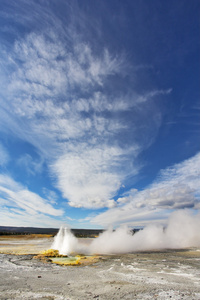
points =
(26, 230)
(9, 230)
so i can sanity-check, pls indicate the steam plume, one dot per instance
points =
(181, 231)
(65, 241)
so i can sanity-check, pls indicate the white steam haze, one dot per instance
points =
(181, 231)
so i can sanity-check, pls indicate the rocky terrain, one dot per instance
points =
(168, 274)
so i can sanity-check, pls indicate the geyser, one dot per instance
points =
(65, 242)
(182, 231)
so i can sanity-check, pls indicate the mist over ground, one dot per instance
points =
(181, 231)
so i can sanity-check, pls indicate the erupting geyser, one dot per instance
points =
(181, 231)
(65, 242)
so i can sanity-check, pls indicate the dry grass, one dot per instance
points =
(25, 236)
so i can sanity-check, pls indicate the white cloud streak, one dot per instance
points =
(62, 98)
(176, 188)
(18, 217)
(47, 67)
(15, 196)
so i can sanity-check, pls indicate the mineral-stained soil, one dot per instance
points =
(166, 274)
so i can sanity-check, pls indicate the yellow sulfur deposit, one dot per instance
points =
(54, 256)
(51, 253)
(66, 261)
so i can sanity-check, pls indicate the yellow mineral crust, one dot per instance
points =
(66, 261)
(52, 253)
(75, 260)
(54, 256)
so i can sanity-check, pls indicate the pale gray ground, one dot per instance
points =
(171, 274)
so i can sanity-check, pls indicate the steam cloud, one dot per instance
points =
(181, 231)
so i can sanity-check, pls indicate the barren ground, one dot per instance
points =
(169, 274)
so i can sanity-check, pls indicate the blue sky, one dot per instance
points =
(99, 112)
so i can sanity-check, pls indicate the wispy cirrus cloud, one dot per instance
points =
(43, 87)
(177, 187)
(46, 66)
(18, 217)
(30, 165)
(17, 197)
(4, 156)
(62, 97)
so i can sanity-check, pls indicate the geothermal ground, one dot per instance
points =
(166, 274)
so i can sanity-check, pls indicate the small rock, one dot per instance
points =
(39, 276)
